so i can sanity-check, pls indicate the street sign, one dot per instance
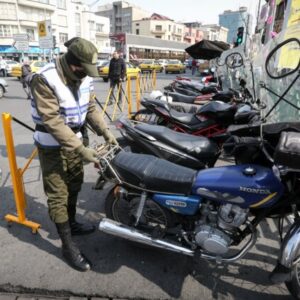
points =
(46, 43)
(20, 37)
(22, 45)
(45, 34)
(45, 29)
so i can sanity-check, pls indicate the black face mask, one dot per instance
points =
(80, 74)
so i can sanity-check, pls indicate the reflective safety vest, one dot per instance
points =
(72, 108)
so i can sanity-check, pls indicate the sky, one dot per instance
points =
(205, 11)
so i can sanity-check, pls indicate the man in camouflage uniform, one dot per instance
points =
(61, 104)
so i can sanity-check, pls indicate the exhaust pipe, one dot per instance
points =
(114, 228)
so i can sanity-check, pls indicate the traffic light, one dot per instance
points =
(239, 37)
(54, 41)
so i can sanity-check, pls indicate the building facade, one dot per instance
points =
(193, 35)
(159, 27)
(235, 19)
(68, 19)
(121, 15)
(214, 32)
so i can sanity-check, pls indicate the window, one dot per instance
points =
(137, 24)
(63, 37)
(92, 25)
(30, 33)
(8, 11)
(99, 27)
(61, 4)
(179, 30)
(137, 31)
(8, 30)
(158, 36)
(77, 24)
(158, 28)
(169, 37)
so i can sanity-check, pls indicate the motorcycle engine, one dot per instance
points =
(214, 235)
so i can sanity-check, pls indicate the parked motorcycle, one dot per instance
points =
(211, 119)
(212, 213)
(184, 149)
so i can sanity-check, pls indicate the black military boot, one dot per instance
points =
(76, 227)
(69, 249)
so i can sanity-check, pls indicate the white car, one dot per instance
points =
(163, 62)
(10, 64)
(3, 87)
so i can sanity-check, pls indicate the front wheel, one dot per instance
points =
(294, 284)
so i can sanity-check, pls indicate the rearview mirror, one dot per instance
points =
(284, 59)
(234, 60)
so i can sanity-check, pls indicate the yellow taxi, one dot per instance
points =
(150, 65)
(174, 66)
(131, 70)
(35, 67)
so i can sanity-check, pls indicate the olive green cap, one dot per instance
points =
(86, 53)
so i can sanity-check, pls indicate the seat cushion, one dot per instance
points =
(199, 147)
(176, 97)
(184, 118)
(154, 174)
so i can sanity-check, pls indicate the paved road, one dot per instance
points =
(32, 263)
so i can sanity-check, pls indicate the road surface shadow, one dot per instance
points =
(21, 150)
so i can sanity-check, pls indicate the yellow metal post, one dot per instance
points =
(16, 176)
(106, 102)
(117, 101)
(138, 92)
(129, 96)
(154, 80)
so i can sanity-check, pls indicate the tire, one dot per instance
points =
(294, 285)
(1, 91)
(105, 79)
(121, 211)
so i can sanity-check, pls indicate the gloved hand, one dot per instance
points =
(109, 137)
(87, 154)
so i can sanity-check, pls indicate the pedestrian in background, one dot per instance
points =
(62, 101)
(116, 74)
(26, 77)
(3, 66)
(194, 67)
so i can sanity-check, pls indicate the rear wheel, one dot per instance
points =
(124, 210)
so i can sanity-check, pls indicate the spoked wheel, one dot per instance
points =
(294, 285)
(153, 217)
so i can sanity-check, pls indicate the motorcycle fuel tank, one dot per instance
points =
(248, 186)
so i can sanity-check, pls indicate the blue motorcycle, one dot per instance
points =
(206, 213)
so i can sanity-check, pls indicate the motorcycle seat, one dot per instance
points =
(199, 147)
(153, 174)
(216, 107)
(181, 98)
(184, 118)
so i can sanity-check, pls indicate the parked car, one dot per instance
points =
(175, 66)
(131, 71)
(3, 87)
(35, 67)
(163, 62)
(150, 65)
(10, 65)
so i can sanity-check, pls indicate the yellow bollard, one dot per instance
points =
(116, 103)
(138, 93)
(16, 176)
(154, 80)
(129, 96)
(106, 102)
